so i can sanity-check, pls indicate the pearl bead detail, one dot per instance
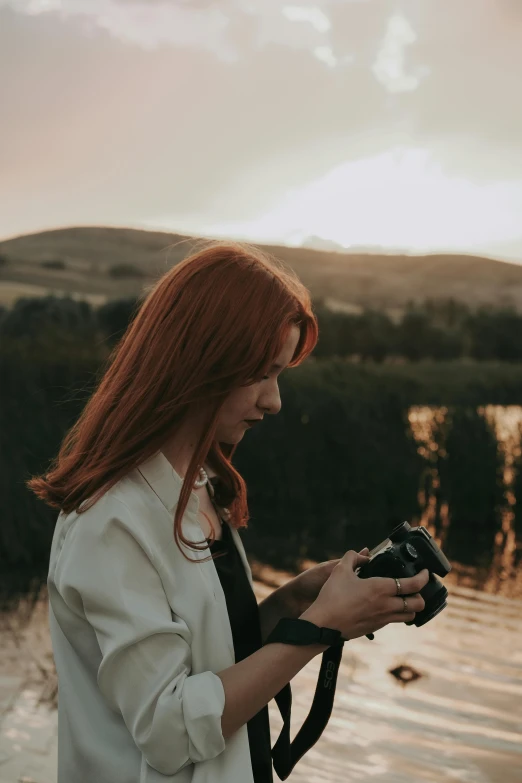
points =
(201, 483)
(202, 480)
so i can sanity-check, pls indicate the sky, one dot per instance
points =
(393, 124)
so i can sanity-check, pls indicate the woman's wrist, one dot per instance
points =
(275, 606)
(316, 616)
(313, 616)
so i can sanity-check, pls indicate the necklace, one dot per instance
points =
(202, 479)
(201, 483)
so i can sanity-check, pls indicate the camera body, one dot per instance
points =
(405, 553)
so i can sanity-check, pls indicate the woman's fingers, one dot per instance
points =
(353, 559)
(403, 617)
(414, 603)
(409, 584)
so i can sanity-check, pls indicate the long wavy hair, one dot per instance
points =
(214, 322)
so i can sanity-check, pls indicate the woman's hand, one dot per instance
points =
(301, 591)
(357, 607)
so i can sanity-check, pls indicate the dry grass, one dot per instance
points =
(383, 281)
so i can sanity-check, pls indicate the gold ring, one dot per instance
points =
(405, 605)
(398, 586)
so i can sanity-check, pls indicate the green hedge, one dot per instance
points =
(334, 470)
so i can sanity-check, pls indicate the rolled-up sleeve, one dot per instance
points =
(145, 675)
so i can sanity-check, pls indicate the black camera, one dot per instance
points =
(406, 552)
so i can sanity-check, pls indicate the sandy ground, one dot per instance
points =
(28, 696)
(28, 689)
(461, 721)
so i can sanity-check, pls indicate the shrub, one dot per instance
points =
(54, 263)
(125, 270)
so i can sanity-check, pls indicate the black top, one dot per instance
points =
(246, 633)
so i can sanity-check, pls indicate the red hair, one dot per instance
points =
(214, 322)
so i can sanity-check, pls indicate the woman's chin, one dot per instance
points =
(232, 436)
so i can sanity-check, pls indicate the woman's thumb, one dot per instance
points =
(354, 559)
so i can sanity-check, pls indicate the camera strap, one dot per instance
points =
(286, 754)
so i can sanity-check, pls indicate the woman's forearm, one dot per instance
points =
(250, 684)
(280, 603)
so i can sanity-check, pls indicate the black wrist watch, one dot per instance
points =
(290, 630)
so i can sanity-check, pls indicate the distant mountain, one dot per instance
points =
(320, 243)
(356, 279)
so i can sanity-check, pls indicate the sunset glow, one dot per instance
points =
(392, 125)
(399, 199)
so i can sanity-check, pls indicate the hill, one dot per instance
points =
(87, 254)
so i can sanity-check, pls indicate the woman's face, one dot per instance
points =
(252, 402)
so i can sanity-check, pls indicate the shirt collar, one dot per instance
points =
(166, 483)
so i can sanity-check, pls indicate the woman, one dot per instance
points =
(157, 636)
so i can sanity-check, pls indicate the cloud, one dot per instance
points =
(399, 198)
(141, 109)
(205, 25)
(146, 24)
(390, 67)
(316, 17)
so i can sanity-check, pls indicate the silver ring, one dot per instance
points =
(397, 582)
(405, 605)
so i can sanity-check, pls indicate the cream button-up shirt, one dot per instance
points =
(138, 634)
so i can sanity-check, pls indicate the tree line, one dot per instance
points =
(434, 329)
(336, 469)
(441, 330)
